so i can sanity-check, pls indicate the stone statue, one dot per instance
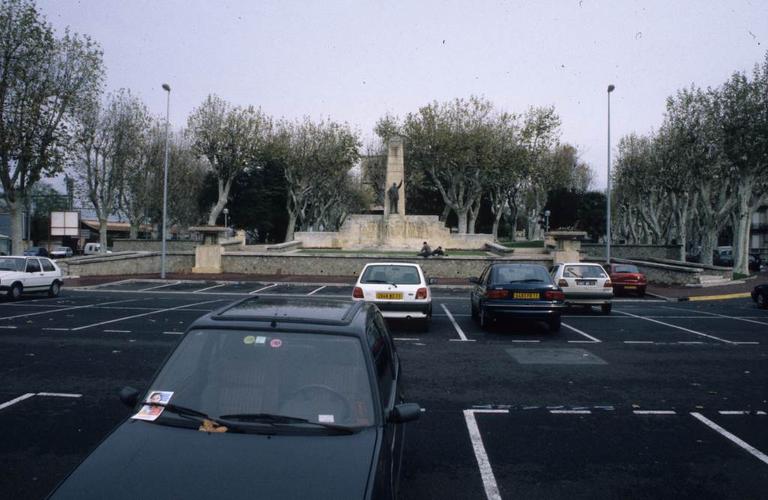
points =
(394, 196)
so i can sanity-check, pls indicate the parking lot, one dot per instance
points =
(657, 400)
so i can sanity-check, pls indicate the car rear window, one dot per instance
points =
(400, 275)
(320, 377)
(520, 273)
(584, 271)
(7, 264)
(47, 265)
(626, 268)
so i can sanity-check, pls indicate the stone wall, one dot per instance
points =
(597, 251)
(127, 245)
(351, 265)
(127, 263)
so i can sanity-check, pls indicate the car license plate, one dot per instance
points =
(389, 295)
(586, 282)
(630, 287)
(525, 295)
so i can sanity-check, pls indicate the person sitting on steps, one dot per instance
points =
(438, 252)
(426, 251)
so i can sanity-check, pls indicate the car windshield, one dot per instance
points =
(583, 271)
(400, 275)
(520, 273)
(241, 374)
(7, 264)
(626, 268)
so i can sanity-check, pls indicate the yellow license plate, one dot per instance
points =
(630, 287)
(524, 295)
(389, 295)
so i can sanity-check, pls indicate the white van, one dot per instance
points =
(93, 248)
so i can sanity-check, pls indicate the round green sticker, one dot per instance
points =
(250, 339)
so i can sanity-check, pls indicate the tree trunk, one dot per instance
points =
(291, 229)
(445, 214)
(741, 227)
(513, 220)
(134, 231)
(496, 219)
(708, 244)
(221, 202)
(17, 225)
(103, 235)
(462, 215)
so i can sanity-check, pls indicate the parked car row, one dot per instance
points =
(23, 274)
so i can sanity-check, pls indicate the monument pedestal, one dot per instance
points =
(208, 255)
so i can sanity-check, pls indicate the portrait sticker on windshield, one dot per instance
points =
(151, 412)
(275, 343)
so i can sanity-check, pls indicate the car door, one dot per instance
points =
(479, 288)
(382, 355)
(50, 273)
(34, 277)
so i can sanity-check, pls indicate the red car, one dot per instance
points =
(627, 278)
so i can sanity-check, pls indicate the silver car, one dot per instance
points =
(584, 284)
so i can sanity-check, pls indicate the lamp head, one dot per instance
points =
(166, 87)
(610, 88)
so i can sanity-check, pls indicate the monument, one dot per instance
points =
(394, 229)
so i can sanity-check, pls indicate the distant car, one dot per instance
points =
(760, 295)
(93, 248)
(584, 284)
(20, 275)
(627, 278)
(61, 252)
(516, 291)
(266, 398)
(723, 256)
(400, 291)
(36, 251)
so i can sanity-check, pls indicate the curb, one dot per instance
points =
(726, 296)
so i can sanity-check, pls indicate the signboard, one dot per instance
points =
(65, 224)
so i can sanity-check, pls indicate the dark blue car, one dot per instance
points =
(267, 398)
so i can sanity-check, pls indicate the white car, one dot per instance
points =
(61, 252)
(400, 290)
(585, 284)
(19, 275)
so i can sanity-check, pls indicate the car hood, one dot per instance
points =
(142, 459)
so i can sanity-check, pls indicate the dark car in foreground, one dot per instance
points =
(627, 278)
(516, 291)
(267, 398)
(760, 295)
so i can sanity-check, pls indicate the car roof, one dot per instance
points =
(305, 314)
(579, 264)
(392, 264)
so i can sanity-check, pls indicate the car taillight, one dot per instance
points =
(561, 283)
(554, 295)
(496, 294)
(607, 284)
(357, 293)
(421, 293)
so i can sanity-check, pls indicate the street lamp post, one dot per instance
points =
(226, 215)
(167, 88)
(608, 192)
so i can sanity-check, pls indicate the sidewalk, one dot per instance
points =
(738, 290)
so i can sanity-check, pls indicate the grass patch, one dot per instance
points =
(522, 244)
(739, 276)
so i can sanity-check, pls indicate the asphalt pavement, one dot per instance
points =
(657, 400)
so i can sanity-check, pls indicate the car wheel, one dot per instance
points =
(641, 293)
(14, 293)
(606, 308)
(554, 324)
(424, 325)
(762, 301)
(55, 289)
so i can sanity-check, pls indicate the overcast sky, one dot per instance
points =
(355, 60)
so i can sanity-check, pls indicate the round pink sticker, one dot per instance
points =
(275, 343)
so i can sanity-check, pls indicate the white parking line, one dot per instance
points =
(173, 333)
(159, 286)
(654, 412)
(210, 287)
(264, 288)
(719, 315)
(316, 290)
(571, 412)
(144, 314)
(730, 412)
(405, 338)
(59, 395)
(638, 341)
(462, 337)
(526, 341)
(56, 329)
(486, 472)
(677, 327)
(26, 315)
(735, 439)
(117, 331)
(590, 337)
(8, 327)
(16, 400)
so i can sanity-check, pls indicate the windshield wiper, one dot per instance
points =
(274, 419)
(196, 415)
(374, 281)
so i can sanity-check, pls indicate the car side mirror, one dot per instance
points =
(129, 396)
(432, 281)
(404, 412)
(474, 280)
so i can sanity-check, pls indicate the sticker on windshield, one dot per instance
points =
(151, 412)
(261, 340)
(275, 343)
(325, 419)
(250, 339)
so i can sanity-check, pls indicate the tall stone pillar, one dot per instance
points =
(395, 174)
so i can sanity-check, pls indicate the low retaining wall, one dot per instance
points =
(665, 274)
(127, 245)
(640, 252)
(127, 263)
(351, 265)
